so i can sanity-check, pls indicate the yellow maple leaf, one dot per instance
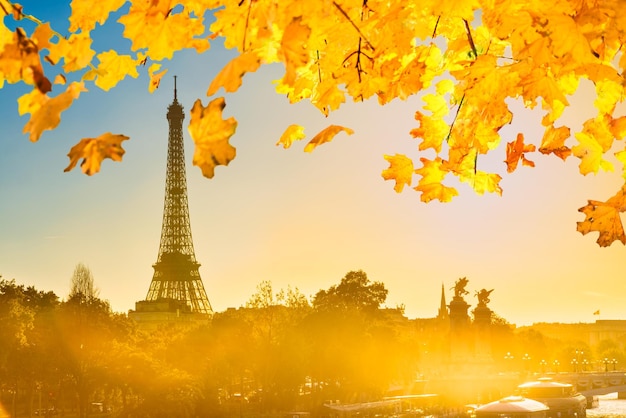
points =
(326, 135)
(86, 13)
(47, 114)
(604, 217)
(515, 151)
(553, 141)
(292, 133)
(94, 150)
(75, 51)
(20, 61)
(594, 140)
(155, 78)
(230, 77)
(430, 185)
(152, 26)
(211, 133)
(433, 131)
(293, 49)
(400, 169)
(113, 68)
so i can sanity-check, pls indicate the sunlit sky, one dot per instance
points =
(293, 218)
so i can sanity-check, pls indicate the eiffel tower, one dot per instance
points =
(176, 284)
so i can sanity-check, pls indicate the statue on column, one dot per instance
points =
(483, 297)
(459, 288)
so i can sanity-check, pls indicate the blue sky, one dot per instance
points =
(295, 219)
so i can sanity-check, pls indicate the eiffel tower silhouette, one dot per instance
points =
(176, 284)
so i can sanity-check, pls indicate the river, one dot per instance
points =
(610, 407)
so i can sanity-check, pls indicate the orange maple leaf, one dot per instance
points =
(515, 151)
(604, 217)
(47, 112)
(293, 48)
(292, 133)
(326, 135)
(94, 150)
(19, 60)
(211, 133)
(230, 77)
(553, 141)
(400, 169)
(86, 13)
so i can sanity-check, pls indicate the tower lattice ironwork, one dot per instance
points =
(176, 275)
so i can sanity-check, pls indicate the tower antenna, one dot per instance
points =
(175, 88)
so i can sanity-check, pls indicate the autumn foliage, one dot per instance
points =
(468, 58)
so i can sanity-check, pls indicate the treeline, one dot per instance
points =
(280, 352)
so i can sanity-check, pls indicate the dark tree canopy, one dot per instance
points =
(354, 292)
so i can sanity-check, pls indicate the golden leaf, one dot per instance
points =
(86, 13)
(155, 78)
(293, 48)
(292, 133)
(19, 60)
(326, 135)
(47, 114)
(604, 217)
(553, 141)
(515, 151)
(232, 74)
(94, 150)
(430, 184)
(211, 133)
(114, 68)
(76, 52)
(400, 169)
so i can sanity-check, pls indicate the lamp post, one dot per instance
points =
(614, 362)
(556, 364)
(543, 364)
(585, 364)
(575, 365)
(606, 364)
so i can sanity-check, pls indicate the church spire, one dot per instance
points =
(443, 308)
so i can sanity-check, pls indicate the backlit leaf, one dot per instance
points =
(292, 133)
(232, 74)
(47, 113)
(515, 151)
(94, 150)
(604, 217)
(326, 135)
(211, 133)
(400, 169)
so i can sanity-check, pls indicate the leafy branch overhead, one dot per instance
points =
(468, 57)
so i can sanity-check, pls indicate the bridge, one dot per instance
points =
(596, 383)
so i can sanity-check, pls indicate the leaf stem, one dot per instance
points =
(470, 39)
(353, 25)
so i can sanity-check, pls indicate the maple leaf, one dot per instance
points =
(47, 113)
(292, 133)
(400, 169)
(211, 133)
(94, 150)
(19, 60)
(152, 26)
(114, 68)
(293, 48)
(430, 185)
(86, 13)
(155, 78)
(230, 77)
(76, 52)
(326, 135)
(515, 151)
(553, 141)
(604, 217)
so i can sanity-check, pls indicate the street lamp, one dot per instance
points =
(614, 362)
(508, 357)
(585, 364)
(575, 365)
(556, 364)
(606, 364)
(543, 364)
